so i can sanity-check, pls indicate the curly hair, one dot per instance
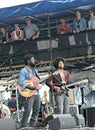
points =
(57, 60)
(27, 57)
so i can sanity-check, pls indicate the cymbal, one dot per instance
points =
(10, 85)
(4, 82)
(2, 88)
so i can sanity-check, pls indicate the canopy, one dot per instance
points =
(55, 8)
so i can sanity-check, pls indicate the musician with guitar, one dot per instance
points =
(59, 78)
(28, 88)
(31, 30)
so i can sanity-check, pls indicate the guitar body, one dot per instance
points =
(29, 92)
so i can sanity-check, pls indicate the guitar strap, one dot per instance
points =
(33, 73)
(36, 73)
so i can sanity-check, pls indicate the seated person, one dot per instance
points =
(31, 29)
(4, 36)
(79, 24)
(17, 34)
(63, 27)
(91, 21)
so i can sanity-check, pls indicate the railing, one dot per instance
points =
(67, 46)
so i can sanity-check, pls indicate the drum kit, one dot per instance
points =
(9, 99)
(6, 90)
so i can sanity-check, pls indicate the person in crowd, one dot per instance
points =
(31, 103)
(91, 25)
(63, 27)
(31, 29)
(4, 36)
(79, 24)
(17, 34)
(91, 21)
(59, 78)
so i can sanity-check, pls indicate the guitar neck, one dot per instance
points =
(47, 107)
(72, 84)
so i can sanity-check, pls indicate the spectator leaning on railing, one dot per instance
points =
(4, 36)
(17, 34)
(79, 24)
(31, 29)
(91, 21)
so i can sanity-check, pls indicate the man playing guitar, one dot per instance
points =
(29, 89)
(59, 77)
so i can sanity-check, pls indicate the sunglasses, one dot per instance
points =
(27, 20)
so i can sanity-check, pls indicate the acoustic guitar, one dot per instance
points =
(28, 92)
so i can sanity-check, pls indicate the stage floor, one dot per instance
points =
(86, 128)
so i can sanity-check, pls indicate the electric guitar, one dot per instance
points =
(65, 88)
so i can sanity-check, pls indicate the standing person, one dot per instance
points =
(17, 34)
(79, 24)
(4, 36)
(31, 29)
(91, 25)
(32, 104)
(63, 28)
(60, 76)
(91, 21)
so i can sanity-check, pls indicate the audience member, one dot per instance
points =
(31, 29)
(79, 24)
(17, 34)
(4, 36)
(63, 27)
(91, 21)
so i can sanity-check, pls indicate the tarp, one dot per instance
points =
(44, 6)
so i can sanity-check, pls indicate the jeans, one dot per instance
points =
(31, 110)
(62, 103)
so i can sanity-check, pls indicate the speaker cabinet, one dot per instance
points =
(59, 121)
(7, 124)
(62, 122)
(91, 116)
(53, 116)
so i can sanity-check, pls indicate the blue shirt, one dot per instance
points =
(79, 25)
(25, 75)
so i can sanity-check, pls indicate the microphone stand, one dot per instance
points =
(52, 95)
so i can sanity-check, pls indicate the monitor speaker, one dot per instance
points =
(60, 121)
(7, 124)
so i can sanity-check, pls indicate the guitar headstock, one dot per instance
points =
(84, 81)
